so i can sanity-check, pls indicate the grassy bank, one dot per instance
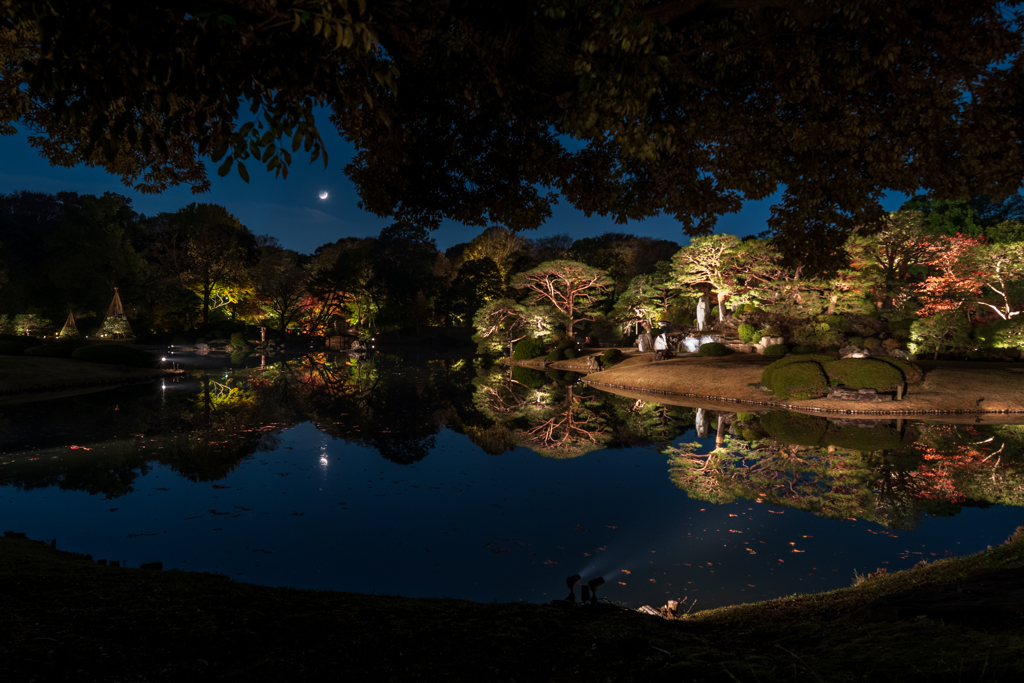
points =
(65, 617)
(23, 377)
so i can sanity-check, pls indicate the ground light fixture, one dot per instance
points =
(571, 583)
(593, 585)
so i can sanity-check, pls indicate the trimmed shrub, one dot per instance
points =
(528, 349)
(756, 337)
(912, 372)
(531, 378)
(776, 350)
(836, 322)
(803, 379)
(555, 355)
(238, 340)
(856, 341)
(565, 343)
(569, 353)
(804, 349)
(21, 338)
(864, 373)
(61, 349)
(238, 357)
(802, 430)
(772, 331)
(746, 417)
(114, 354)
(12, 348)
(745, 332)
(713, 349)
(611, 357)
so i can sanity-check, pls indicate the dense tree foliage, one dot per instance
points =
(461, 109)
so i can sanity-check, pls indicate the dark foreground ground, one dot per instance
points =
(64, 617)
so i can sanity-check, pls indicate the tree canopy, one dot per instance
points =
(486, 111)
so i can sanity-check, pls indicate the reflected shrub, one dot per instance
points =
(528, 377)
(802, 430)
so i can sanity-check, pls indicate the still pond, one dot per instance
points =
(448, 477)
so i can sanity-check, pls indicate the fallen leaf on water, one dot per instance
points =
(550, 562)
(808, 536)
(751, 551)
(733, 531)
(626, 571)
(586, 554)
(622, 583)
(792, 543)
(794, 550)
(777, 512)
(732, 515)
(611, 527)
(653, 580)
(751, 585)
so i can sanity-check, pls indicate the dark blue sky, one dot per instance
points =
(292, 211)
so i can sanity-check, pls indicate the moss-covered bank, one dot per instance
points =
(64, 617)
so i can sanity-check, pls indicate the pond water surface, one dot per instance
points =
(448, 478)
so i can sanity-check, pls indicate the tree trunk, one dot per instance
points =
(206, 302)
(721, 307)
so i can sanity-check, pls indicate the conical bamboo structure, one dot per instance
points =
(70, 329)
(115, 324)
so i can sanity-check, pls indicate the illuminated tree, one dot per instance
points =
(204, 246)
(712, 261)
(960, 277)
(574, 290)
(280, 283)
(501, 323)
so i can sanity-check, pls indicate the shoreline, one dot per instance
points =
(950, 389)
(66, 616)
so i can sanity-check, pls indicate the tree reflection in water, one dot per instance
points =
(889, 472)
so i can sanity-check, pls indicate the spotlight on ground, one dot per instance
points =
(571, 583)
(593, 585)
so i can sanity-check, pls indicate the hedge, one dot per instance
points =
(864, 373)
(713, 349)
(61, 349)
(528, 349)
(114, 354)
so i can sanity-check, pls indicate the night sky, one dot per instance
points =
(292, 211)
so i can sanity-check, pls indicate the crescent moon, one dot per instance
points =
(323, 195)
